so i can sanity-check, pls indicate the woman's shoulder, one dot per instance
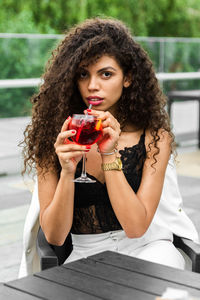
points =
(158, 144)
(162, 137)
(46, 174)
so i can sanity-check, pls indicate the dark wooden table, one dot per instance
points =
(107, 275)
(188, 95)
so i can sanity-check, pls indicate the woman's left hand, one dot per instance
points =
(111, 130)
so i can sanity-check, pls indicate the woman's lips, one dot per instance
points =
(95, 102)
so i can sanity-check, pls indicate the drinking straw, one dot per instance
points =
(90, 106)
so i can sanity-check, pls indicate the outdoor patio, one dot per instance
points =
(15, 192)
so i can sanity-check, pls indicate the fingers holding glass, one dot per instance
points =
(67, 151)
(63, 136)
(70, 153)
(106, 117)
(111, 131)
(66, 124)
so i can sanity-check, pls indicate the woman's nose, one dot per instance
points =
(93, 83)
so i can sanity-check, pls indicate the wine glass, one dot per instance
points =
(88, 131)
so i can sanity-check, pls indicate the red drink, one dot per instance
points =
(88, 129)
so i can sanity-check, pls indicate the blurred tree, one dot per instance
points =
(144, 17)
(25, 58)
(175, 18)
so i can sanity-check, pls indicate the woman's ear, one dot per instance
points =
(127, 81)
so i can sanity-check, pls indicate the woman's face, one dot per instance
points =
(101, 83)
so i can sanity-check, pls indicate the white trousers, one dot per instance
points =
(147, 247)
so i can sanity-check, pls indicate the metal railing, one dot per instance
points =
(60, 36)
(160, 41)
(161, 75)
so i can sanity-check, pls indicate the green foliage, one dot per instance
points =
(182, 57)
(15, 102)
(26, 58)
(145, 17)
(22, 58)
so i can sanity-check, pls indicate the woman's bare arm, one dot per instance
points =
(56, 195)
(56, 206)
(135, 211)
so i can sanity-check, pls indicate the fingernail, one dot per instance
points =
(88, 147)
(87, 150)
(73, 131)
(89, 110)
(68, 118)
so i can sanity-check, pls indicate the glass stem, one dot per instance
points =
(83, 174)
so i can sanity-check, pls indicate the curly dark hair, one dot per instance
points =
(142, 103)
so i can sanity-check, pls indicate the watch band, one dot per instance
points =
(115, 165)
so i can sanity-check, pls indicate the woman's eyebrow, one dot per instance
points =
(106, 68)
(81, 68)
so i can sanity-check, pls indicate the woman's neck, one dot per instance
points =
(130, 128)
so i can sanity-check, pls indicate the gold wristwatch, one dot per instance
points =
(115, 165)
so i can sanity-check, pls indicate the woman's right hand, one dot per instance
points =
(69, 153)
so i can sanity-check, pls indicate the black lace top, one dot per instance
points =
(93, 212)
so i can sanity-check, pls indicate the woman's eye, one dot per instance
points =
(106, 74)
(82, 75)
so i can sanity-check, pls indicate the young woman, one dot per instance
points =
(99, 63)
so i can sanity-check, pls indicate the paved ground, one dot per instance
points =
(15, 192)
